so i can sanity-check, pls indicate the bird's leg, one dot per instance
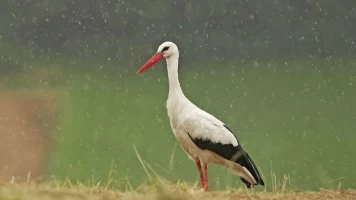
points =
(202, 178)
(206, 188)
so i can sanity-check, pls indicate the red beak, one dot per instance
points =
(155, 58)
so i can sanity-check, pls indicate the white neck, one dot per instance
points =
(172, 68)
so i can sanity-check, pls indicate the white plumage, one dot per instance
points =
(200, 124)
(202, 136)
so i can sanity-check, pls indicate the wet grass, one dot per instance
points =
(296, 119)
(293, 118)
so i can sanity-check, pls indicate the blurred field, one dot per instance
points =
(295, 119)
(281, 75)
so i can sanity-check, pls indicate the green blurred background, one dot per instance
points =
(281, 74)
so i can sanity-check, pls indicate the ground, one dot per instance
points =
(156, 191)
(26, 122)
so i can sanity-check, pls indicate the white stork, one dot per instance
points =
(202, 136)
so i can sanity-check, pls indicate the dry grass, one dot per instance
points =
(158, 189)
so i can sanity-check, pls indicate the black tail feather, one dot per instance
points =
(246, 161)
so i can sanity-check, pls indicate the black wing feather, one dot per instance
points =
(224, 150)
(229, 152)
(246, 161)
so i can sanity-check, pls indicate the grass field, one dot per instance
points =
(296, 119)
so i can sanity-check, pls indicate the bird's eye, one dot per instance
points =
(165, 49)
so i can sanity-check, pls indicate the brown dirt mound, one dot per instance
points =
(25, 123)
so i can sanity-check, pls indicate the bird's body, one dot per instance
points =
(203, 137)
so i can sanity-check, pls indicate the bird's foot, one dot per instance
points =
(205, 187)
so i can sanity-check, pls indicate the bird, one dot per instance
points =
(204, 138)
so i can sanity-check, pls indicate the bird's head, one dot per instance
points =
(168, 49)
(165, 50)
